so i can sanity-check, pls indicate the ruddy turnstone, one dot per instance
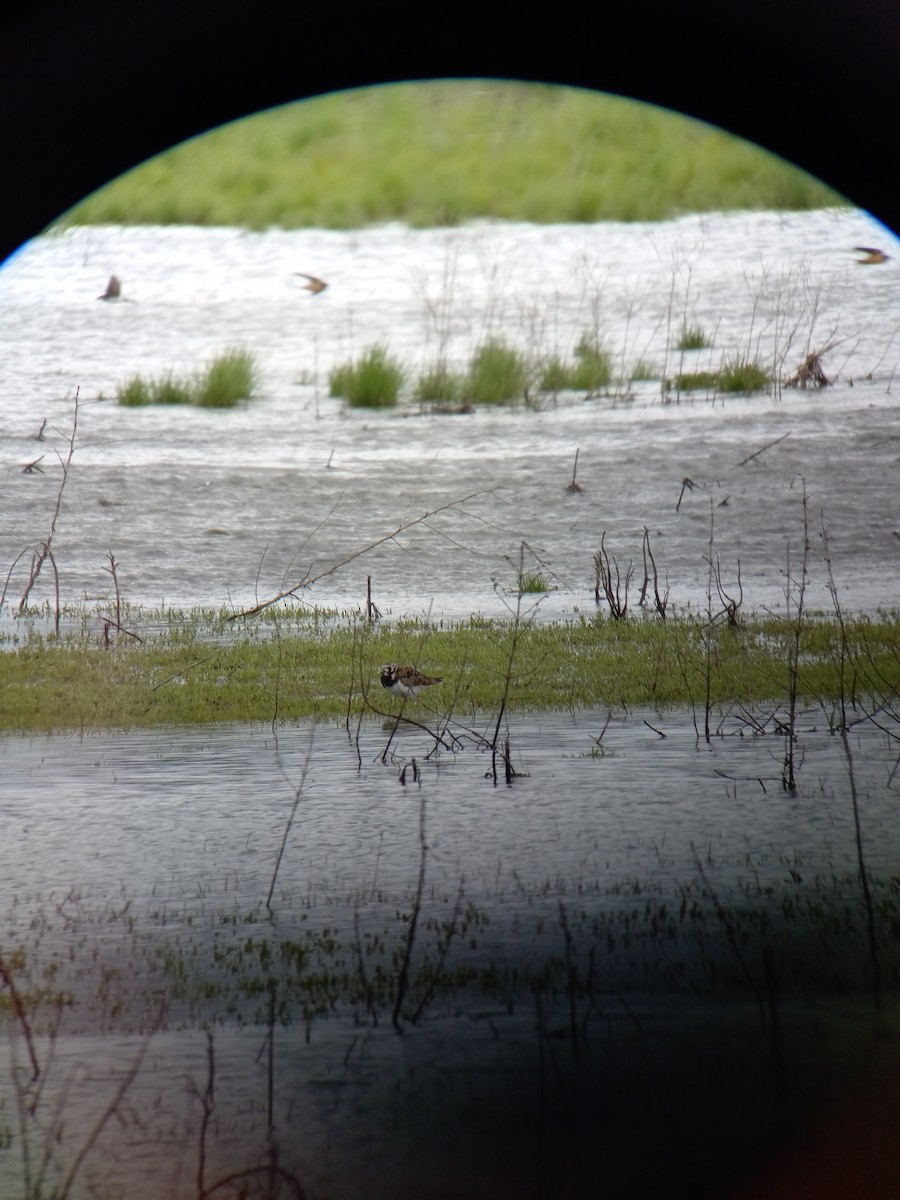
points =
(315, 285)
(872, 254)
(113, 289)
(405, 681)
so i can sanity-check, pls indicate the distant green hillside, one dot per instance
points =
(445, 152)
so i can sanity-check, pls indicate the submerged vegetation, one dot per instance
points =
(449, 151)
(229, 378)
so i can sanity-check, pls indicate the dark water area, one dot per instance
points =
(651, 942)
(642, 969)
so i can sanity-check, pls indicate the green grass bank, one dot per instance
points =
(439, 153)
(301, 668)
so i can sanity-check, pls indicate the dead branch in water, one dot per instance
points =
(661, 601)
(372, 610)
(308, 583)
(608, 577)
(811, 373)
(763, 449)
(686, 484)
(573, 486)
(46, 546)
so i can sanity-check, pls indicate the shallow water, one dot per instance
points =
(224, 507)
(136, 866)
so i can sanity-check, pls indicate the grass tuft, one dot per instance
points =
(693, 381)
(497, 374)
(693, 337)
(743, 375)
(643, 371)
(440, 385)
(373, 381)
(555, 375)
(532, 582)
(737, 375)
(229, 378)
(593, 369)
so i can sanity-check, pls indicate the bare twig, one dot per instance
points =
(573, 486)
(46, 551)
(763, 449)
(608, 577)
(686, 485)
(789, 771)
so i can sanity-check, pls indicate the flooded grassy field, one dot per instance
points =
(562, 952)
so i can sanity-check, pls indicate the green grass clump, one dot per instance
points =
(440, 385)
(443, 152)
(532, 582)
(693, 381)
(642, 371)
(166, 389)
(135, 393)
(593, 369)
(692, 337)
(497, 374)
(554, 375)
(373, 381)
(735, 375)
(229, 378)
(743, 375)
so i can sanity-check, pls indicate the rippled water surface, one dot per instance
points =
(221, 506)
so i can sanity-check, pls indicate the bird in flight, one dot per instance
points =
(315, 285)
(113, 289)
(873, 255)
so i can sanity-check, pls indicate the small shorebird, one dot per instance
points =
(113, 289)
(405, 681)
(315, 285)
(873, 255)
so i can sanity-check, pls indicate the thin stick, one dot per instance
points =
(763, 449)
(573, 486)
(46, 552)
